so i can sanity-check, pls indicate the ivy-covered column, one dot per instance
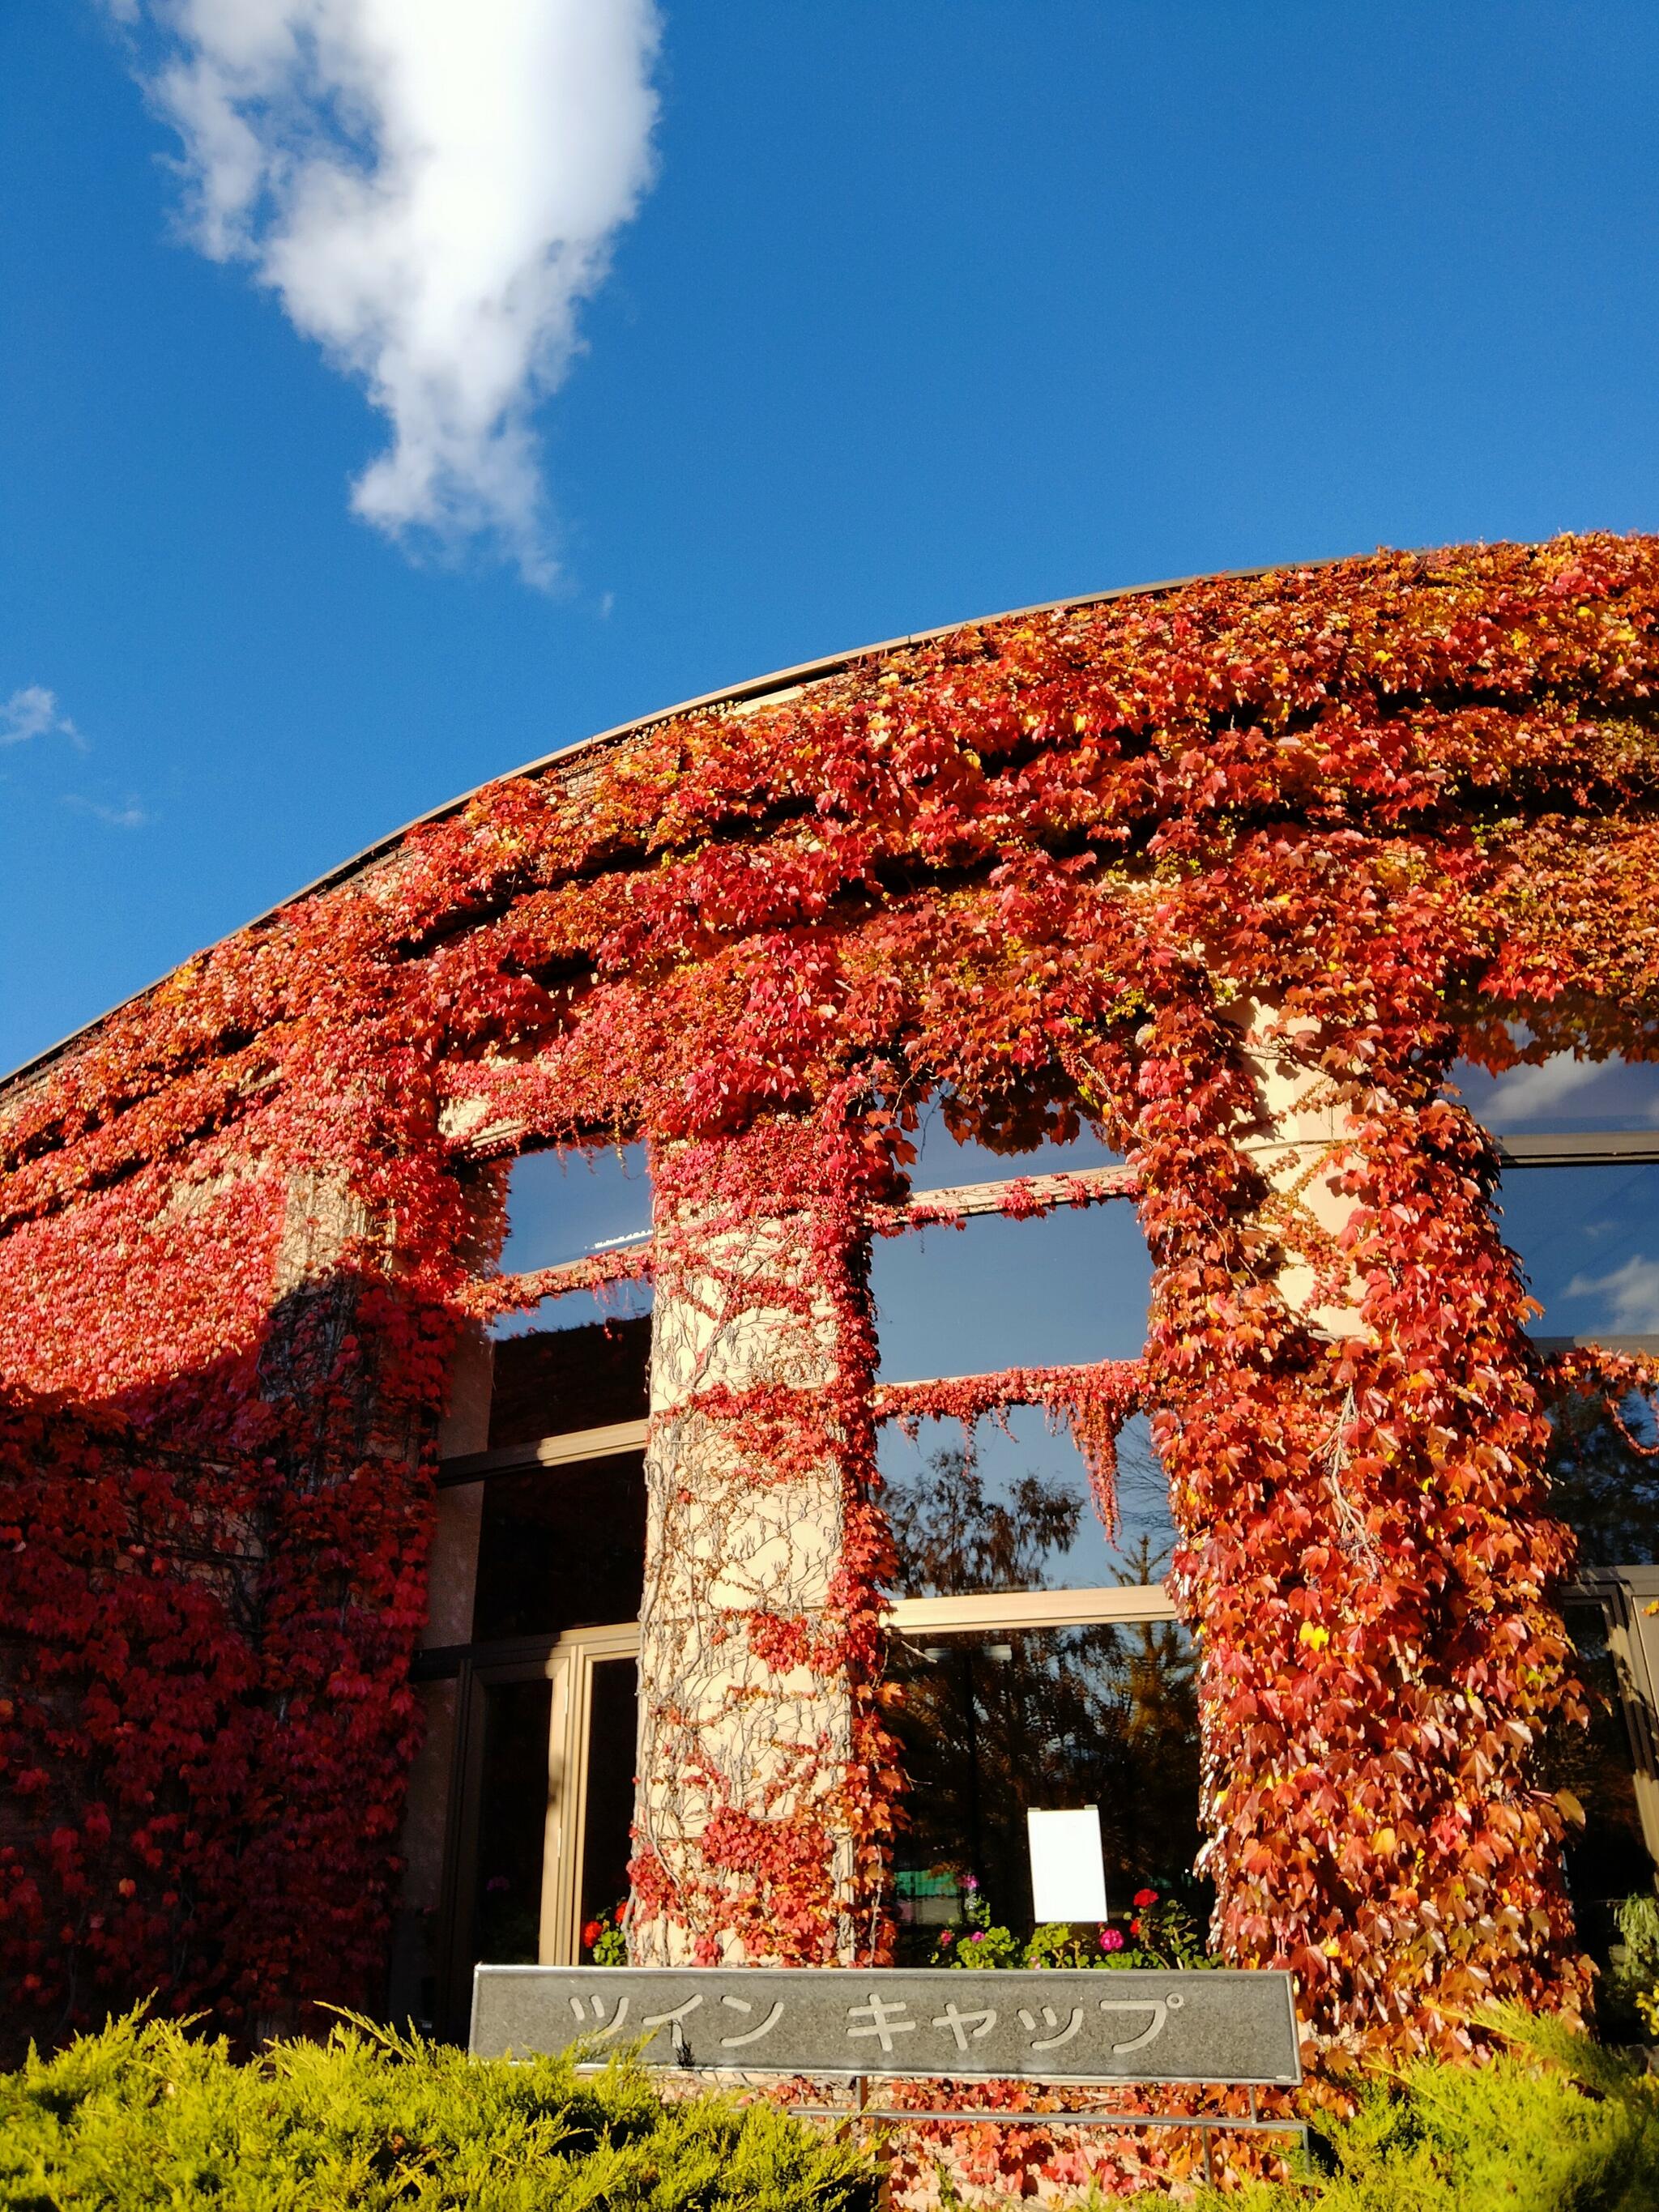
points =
(349, 1377)
(1339, 1357)
(760, 1826)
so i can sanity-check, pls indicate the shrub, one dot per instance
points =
(141, 2115)
(1632, 1991)
(1554, 2124)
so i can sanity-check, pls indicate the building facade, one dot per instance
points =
(682, 1344)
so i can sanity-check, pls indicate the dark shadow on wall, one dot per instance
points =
(210, 1592)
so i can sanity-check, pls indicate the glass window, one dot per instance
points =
(561, 1547)
(1607, 1859)
(1605, 1488)
(1588, 1239)
(1058, 1289)
(551, 1380)
(1016, 1512)
(995, 1723)
(580, 1360)
(944, 1160)
(563, 1206)
(511, 1816)
(613, 1302)
(608, 1814)
(1562, 1094)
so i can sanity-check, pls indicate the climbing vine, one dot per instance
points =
(1120, 862)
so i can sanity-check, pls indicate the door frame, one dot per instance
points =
(567, 1663)
(571, 1664)
(1624, 1594)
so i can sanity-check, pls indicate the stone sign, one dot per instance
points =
(1124, 2024)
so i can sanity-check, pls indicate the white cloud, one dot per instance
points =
(1534, 1094)
(33, 712)
(431, 188)
(1525, 1093)
(1631, 1291)
(130, 815)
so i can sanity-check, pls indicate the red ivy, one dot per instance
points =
(1043, 864)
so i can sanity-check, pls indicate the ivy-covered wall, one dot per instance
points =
(1112, 861)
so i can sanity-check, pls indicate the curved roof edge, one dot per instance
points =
(758, 687)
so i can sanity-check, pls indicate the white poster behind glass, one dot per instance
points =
(1068, 1877)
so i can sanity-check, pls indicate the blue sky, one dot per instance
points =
(930, 310)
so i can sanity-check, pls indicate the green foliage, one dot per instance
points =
(1554, 2124)
(605, 1940)
(141, 2115)
(979, 1941)
(1635, 1980)
(1165, 1931)
(1166, 1935)
(1061, 1944)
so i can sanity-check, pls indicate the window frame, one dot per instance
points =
(1623, 1592)
(1543, 1149)
(567, 1661)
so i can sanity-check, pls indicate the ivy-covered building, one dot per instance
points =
(1064, 1212)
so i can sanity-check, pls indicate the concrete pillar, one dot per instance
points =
(748, 1678)
(1367, 1548)
(1299, 1149)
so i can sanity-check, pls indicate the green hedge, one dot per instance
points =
(142, 2115)
(1554, 2124)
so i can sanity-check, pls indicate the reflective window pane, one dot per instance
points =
(563, 1205)
(1588, 1239)
(1607, 1859)
(561, 1547)
(1061, 1288)
(944, 1160)
(613, 1302)
(512, 1817)
(547, 1382)
(1018, 1513)
(1562, 1094)
(993, 1725)
(608, 1817)
(1604, 1486)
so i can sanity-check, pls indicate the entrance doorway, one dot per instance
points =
(541, 1799)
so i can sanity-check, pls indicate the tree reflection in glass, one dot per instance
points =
(1605, 1476)
(994, 1722)
(1594, 1767)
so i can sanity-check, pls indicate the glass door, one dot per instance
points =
(593, 1737)
(542, 1806)
(607, 1841)
(510, 1808)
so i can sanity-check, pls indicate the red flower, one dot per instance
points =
(591, 1932)
(1146, 1897)
(1135, 1926)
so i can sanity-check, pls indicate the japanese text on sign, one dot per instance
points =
(1099, 2024)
